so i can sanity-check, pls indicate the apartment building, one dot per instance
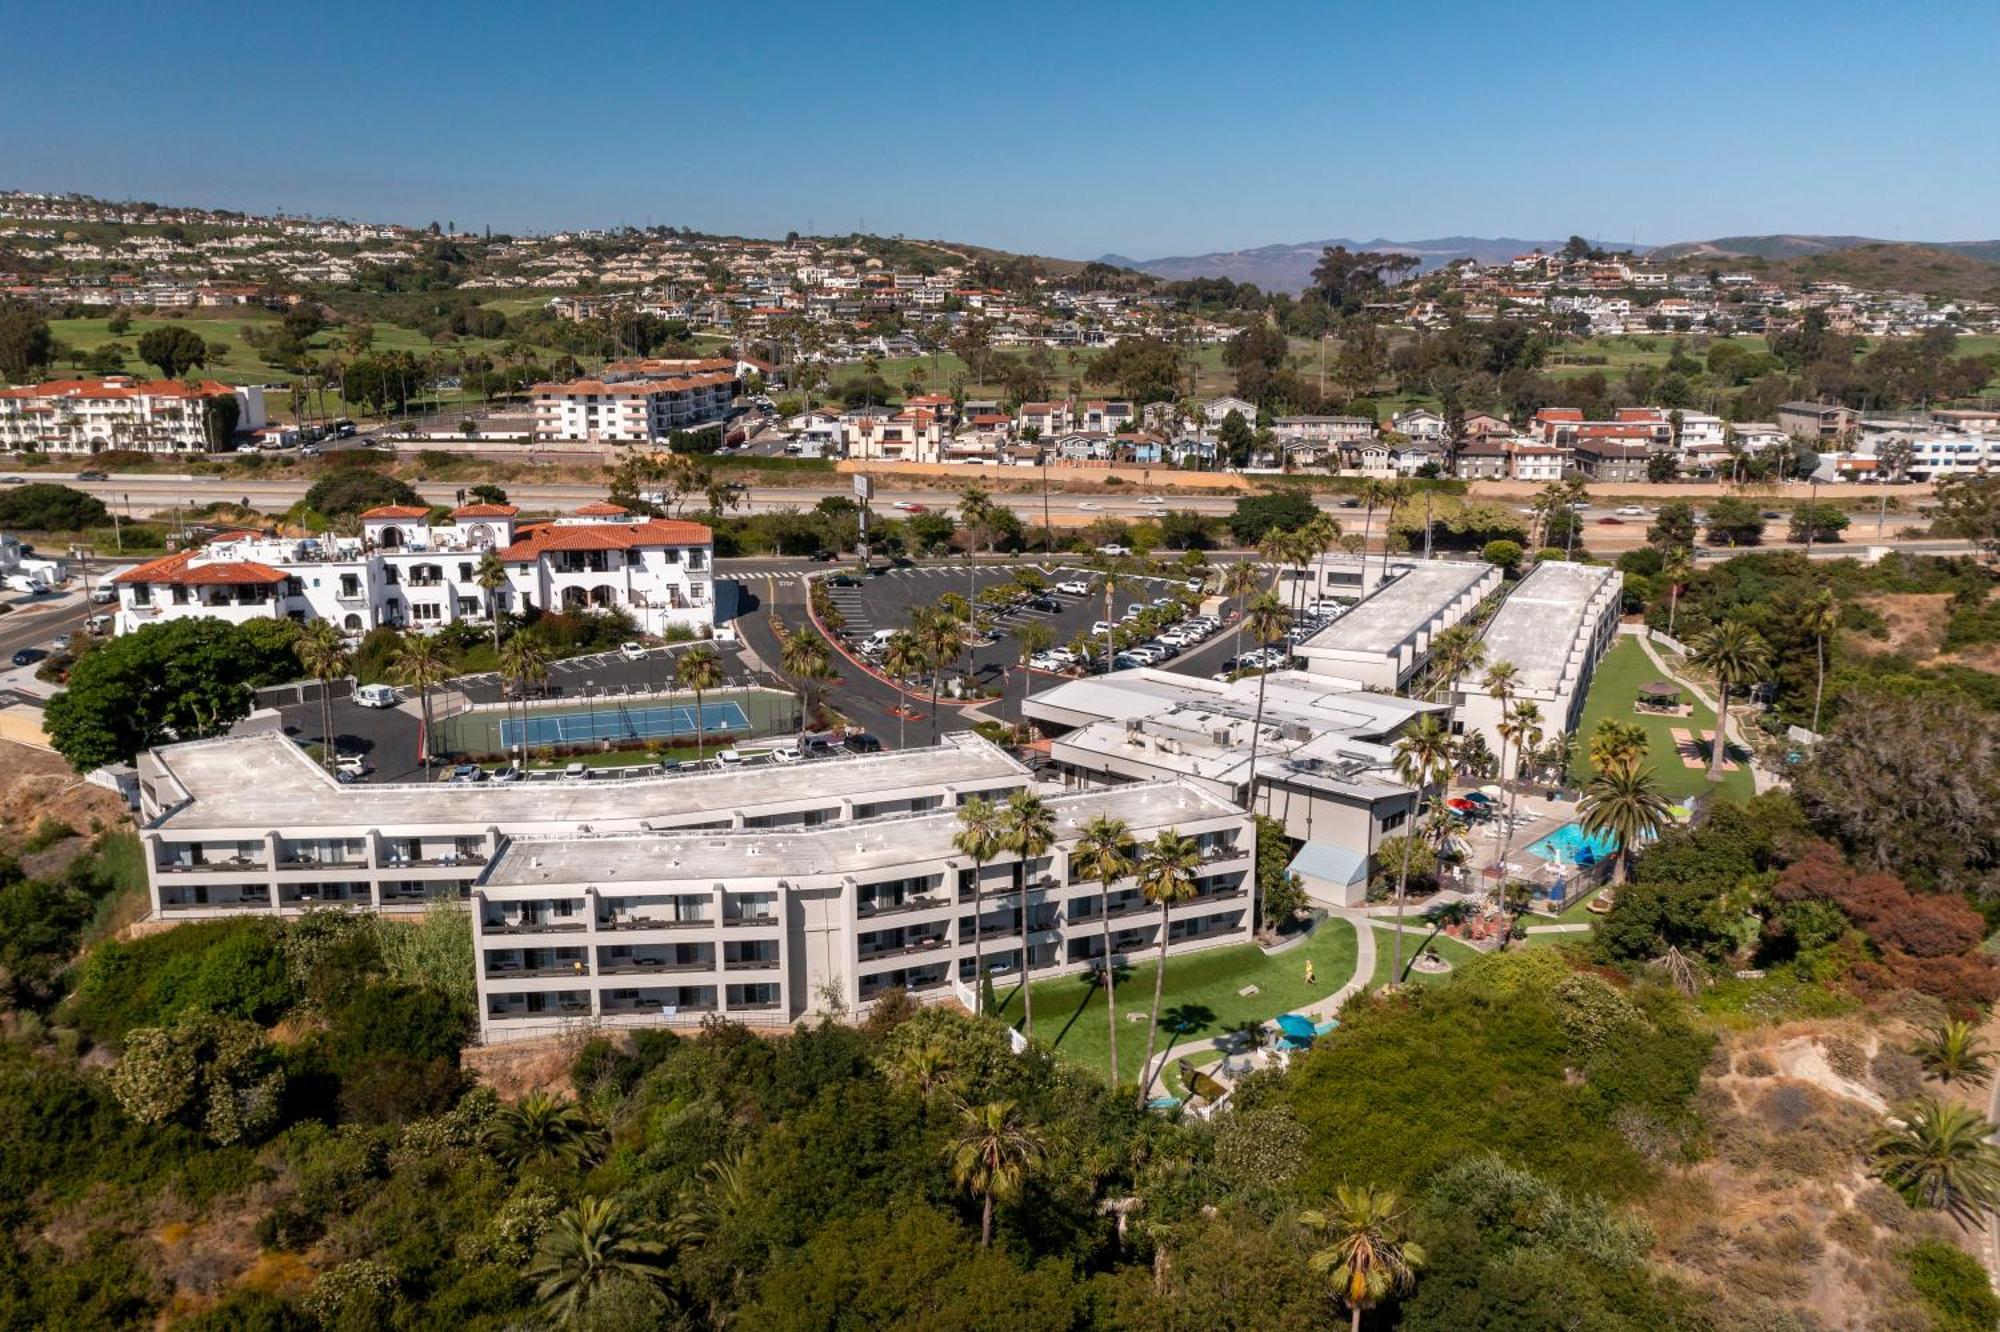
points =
(1387, 636)
(1940, 455)
(1612, 460)
(1324, 429)
(404, 571)
(650, 928)
(663, 899)
(1817, 421)
(1554, 627)
(635, 404)
(120, 412)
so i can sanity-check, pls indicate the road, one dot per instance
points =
(139, 495)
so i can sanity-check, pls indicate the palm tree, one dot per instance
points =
(901, 659)
(1523, 726)
(1028, 829)
(807, 658)
(544, 1129)
(593, 1245)
(942, 638)
(1498, 682)
(491, 575)
(1938, 1154)
(1677, 569)
(1366, 1259)
(1952, 1051)
(1456, 651)
(1623, 801)
(925, 1067)
(524, 662)
(1239, 581)
(1394, 495)
(1034, 638)
(1111, 631)
(1616, 743)
(1275, 549)
(1820, 617)
(1167, 875)
(324, 657)
(421, 664)
(698, 669)
(1268, 622)
(990, 1156)
(1105, 852)
(1423, 756)
(1731, 651)
(978, 837)
(1439, 915)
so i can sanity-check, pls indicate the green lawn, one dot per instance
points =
(1414, 934)
(1576, 913)
(1614, 691)
(1200, 1000)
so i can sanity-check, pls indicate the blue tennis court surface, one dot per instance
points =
(611, 722)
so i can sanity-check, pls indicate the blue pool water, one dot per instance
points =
(1570, 844)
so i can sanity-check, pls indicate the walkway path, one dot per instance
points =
(1561, 927)
(1364, 971)
(1760, 780)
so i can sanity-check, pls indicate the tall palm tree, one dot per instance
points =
(698, 669)
(807, 658)
(1275, 549)
(1268, 623)
(942, 637)
(1366, 1259)
(540, 1129)
(1394, 495)
(1523, 727)
(901, 659)
(421, 664)
(523, 662)
(1437, 915)
(1034, 639)
(324, 657)
(1239, 581)
(978, 838)
(1732, 652)
(1939, 1154)
(1616, 743)
(1457, 650)
(1028, 829)
(592, 1245)
(1623, 801)
(1423, 756)
(1167, 876)
(1677, 569)
(1111, 631)
(1325, 531)
(1499, 684)
(991, 1155)
(491, 575)
(1952, 1051)
(1105, 851)
(1820, 617)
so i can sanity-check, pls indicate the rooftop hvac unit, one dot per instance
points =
(1220, 735)
(1298, 731)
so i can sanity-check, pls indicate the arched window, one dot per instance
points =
(351, 622)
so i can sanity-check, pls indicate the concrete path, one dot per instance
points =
(1364, 970)
(1760, 780)
(1560, 928)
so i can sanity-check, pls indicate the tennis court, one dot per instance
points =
(612, 721)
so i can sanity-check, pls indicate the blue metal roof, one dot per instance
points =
(1329, 864)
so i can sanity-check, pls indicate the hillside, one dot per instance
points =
(1288, 267)
(1880, 266)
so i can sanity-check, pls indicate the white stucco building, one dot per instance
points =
(120, 412)
(1554, 627)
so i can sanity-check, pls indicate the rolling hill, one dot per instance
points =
(1289, 267)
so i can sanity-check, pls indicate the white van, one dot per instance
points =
(878, 642)
(375, 696)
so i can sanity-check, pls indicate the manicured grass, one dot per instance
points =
(1200, 999)
(1414, 935)
(1614, 692)
(1577, 913)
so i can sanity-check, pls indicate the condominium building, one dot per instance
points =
(1387, 637)
(119, 412)
(658, 398)
(406, 571)
(1553, 628)
(663, 899)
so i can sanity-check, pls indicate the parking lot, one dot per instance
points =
(605, 674)
(1071, 608)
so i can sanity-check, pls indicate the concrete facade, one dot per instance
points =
(1554, 627)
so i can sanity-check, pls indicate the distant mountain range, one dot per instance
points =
(1289, 267)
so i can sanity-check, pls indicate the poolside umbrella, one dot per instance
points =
(1477, 797)
(1300, 1028)
(1462, 806)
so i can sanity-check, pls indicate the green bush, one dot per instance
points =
(42, 506)
(351, 490)
(232, 967)
(1953, 1286)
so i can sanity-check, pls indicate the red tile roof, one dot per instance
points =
(536, 541)
(395, 511)
(485, 511)
(118, 388)
(180, 569)
(602, 509)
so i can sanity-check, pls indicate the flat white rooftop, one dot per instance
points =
(855, 848)
(267, 782)
(1536, 627)
(1384, 621)
(1320, 701)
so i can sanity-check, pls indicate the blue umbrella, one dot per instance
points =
(1294, 1025)
(1476, 798)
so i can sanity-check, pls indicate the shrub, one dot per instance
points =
(230, 967)
(350, 490)
(1953, 1287)
(42, 506)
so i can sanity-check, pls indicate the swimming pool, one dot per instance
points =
(1570, 844)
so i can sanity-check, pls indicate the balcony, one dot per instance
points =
(229, 865)
(533, 927)
(654, 922)
(540, 971)
(930, 945)
(767, 918)
(651, 966)
(871, 911)
(751, 964)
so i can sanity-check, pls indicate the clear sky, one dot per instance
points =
(1067, 129)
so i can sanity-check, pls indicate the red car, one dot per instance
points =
(1610, 522)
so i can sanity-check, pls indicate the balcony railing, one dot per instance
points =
(870, 911)
(767, 918)
(233, 865)
(654, 923)
(750, 964)
(516, 971)
(906, 950)
(534, 927)
(651, 966)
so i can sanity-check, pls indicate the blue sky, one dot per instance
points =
(1070, 129)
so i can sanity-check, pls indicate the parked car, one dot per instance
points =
(29, 656)
(350, 767)
(863, 743)
(508, 773)
(60, 643)
(1048, 605)
(1112, 548)
(576, 772)
(375, 696)
(632, 650)
(787, 754)
(1075, 587)
(467, 774)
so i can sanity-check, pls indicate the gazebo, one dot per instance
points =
(1662, 694)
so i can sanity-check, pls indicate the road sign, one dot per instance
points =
(864, 487)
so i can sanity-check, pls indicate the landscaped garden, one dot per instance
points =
(1202, 997)
(1614, 695)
